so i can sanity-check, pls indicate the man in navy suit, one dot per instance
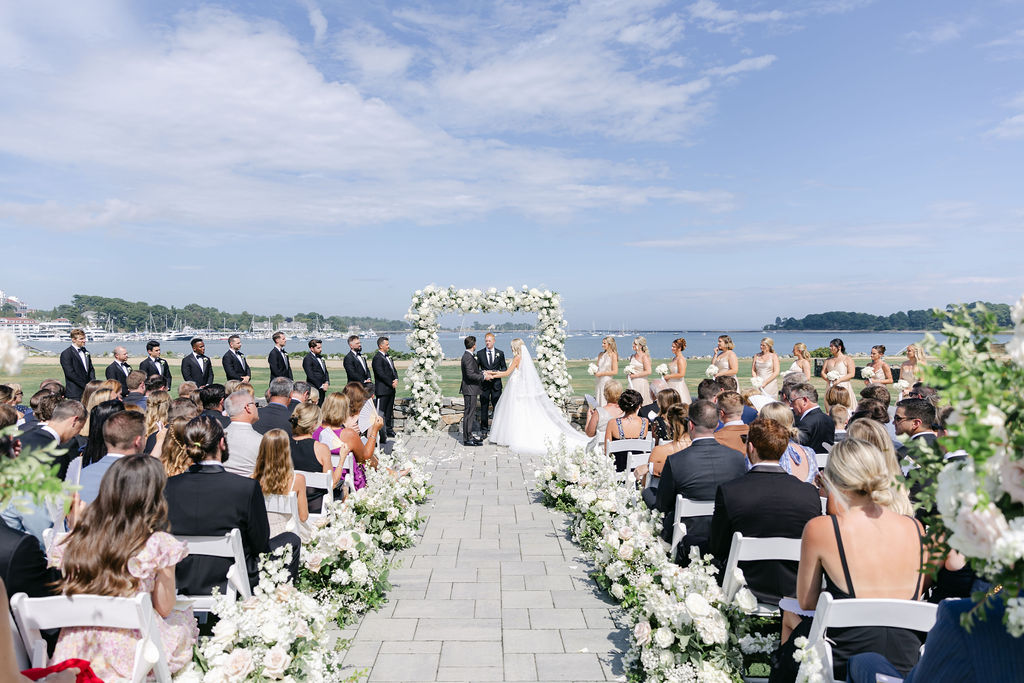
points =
(155, 365)
(77, 365)
(280, 366)
(816, 428)
(119, 369)
(491, 359)
(315, 368)
(197, 366)
(233, 361)
(356, 369)
(276, 414)
(62, 426)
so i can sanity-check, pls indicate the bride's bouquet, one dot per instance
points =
(867, 373)
(712, 371)
(592, 369)
(661, 369)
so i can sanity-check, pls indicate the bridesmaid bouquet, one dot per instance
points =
(711, 372)
(832, 375)
(867, 373)
(756, 382)
(902, 385)
(633, 368)
(661, 369)
(592, 369)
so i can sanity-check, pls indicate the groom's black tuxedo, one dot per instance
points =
(490, 389)
(472, 377)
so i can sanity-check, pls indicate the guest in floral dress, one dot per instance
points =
(120, 547)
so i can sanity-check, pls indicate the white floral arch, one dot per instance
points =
(429, 302)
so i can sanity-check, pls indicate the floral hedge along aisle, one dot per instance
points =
(684, 627)
(422, 378)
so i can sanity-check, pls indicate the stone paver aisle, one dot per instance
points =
(495, 590)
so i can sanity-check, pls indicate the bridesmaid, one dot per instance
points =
(607, 367)
(640, 363)
(802, 363)
(842, 364)
(883, 373)
(725, 357)
(766, 366)
(910, 370)
(676, 377)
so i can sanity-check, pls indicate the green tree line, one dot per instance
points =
(922, 319)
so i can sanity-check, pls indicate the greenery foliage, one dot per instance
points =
(910, 320)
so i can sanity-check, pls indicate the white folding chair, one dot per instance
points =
(824, 505)
(822, 459)
(687, 508)
(74, 474)
(35, 614)
(832, 613)
(750, 549)
(230, 546)
(321, 480)
(285, 505)
(21, 659)
(350, 475)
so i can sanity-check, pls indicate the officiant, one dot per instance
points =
(489, 358)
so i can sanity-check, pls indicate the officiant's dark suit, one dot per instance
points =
(472, 377)
(490, 389)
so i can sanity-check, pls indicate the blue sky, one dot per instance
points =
(661, 164)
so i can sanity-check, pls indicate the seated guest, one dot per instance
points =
(22, 564)
(243, 440)
(662, 402)
(331, 433)
(840, 416)
(629, 426)
(95, 447)
(157, 404)
(363, 446)
(709, 389)
(816, 428)
(874, 434)
(308, 454)
(231, 386)
(915, 417)
(870, 409)
(136, 393)
(34, 417)
(765, 502)
(865, 550)
(300, 394)
(838, 396)
(800, 461)
(598, 417)
(172, 452)
(211, 397)
(880, 393)
(123, 434)
(729, 383)
(277, 477)
(275, 414)
(696, 473)
(189, 390)
(733, 431)
(54, 387)
(207, 500)
(156, 383)
(677, 421)
(63, 426)
(121, 548)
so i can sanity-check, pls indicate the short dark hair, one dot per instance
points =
(277, 335)
(155, 383)
(53, 386)
(870, 409)
(211, 395)
(314, 342)
(195, 340)
(121, 428)
(470, 341)
(704, 414)
(919, 409)
(46, 405)
(152, 344)
(33, 402)
(68, 407)
(728, 383)
(233, 336)
(879, 392)
(769, 438)
(708, 389)
(352, 338)
(381, 340)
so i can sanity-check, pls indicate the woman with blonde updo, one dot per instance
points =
(874, 433)
(607, 367)
(725, 358)
(864, 550)
(170, 449)
(676, 376)
(802, 364)
(639, 369)
(766, 366)
(798, 460)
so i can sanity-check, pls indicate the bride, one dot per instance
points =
(526, 419)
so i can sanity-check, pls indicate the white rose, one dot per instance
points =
(626, 533)
(216, 675)
(975, 531)
(276, 662)
(617, 591)
(642, 633)
(224, 632)
(626, 551)
(360, 574)
(745, 600)
(387, 537)
(664, 637)
(697, 606)
(666, 658)
(1017, 311)
(1011, 478)
(239, 664)
(344, 542)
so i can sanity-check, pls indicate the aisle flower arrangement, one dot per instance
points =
(684, 627)
(422, 379)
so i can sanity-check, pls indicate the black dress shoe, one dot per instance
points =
(391, 435)
(472, 443)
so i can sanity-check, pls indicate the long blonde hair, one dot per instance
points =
(613, 348)
(274, 470)
(157, 404)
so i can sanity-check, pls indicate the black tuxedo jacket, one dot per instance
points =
(37, 437)
(274, 416)
(114, 371)
(696, 473)
(23, 565)
(354, 371)
(472, 377)
(191, 371)
(220, 417)
(316, 374)
(914, 444)
(208, 501)
(280, 365)
(384, 374)
(151, 367)
(233, 368)
(816, 428)
(491, 385)
(75, 376)
(764, 502)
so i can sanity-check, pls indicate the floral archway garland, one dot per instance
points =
(427, 303)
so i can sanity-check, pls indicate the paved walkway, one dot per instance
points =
(495, 590)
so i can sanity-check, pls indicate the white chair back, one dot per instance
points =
(21, 659)
(321, 480)
(831, 613)
(74, 474)
(285, 505)
(639, 445)
(350, 476)
(687, 508)
(822, 459)
(35, 614)
(230, 546)
(749, 549)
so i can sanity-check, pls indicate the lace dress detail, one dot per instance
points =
(111, 651)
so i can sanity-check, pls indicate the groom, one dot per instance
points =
(491, 359)
(471, 381)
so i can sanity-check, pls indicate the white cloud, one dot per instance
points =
(1011, 128)
(944, 32)
(750, 64)
(716, 19)
(317, 20)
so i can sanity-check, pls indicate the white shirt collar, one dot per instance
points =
(732, 423)
(701, 438)
(53, 431)
(920, 434)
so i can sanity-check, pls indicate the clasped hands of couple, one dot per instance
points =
(490, 374)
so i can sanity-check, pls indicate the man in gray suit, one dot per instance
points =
(472, 377)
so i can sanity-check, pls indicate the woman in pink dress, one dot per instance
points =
(120, 547)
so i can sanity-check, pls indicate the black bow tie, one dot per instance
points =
(318, 355)
(84, 350)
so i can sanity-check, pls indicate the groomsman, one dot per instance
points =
(155, 365)
(315, 368)
(234, 363)
(385, 384)
(355, 365)
(77, 365)
(196, 366)
(472, 377)
(280, 366)
(119, 369)
(492, 359)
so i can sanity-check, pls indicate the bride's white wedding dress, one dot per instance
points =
(526, 419)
